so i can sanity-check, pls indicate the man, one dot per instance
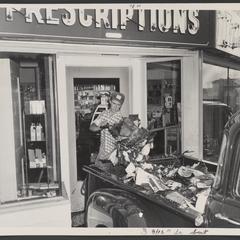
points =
(105, 121)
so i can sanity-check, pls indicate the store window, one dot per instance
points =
(221, 98)
(234, 90)
(37, 160)
(163, 106)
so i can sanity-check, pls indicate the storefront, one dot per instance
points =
(56, 62)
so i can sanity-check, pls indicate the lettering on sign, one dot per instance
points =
(153, 20)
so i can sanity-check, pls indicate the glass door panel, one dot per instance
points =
(164, 105)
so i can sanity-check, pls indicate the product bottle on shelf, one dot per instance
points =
(44, 159)
(33, 132)
(39, 132)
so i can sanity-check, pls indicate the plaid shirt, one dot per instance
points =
(108, 143)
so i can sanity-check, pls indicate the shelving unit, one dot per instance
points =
(38, 180)
(158, 91)
(36, 149)
(88, 97)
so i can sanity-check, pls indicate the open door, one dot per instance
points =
(12, 142)
(49, 70)
(17, 121)
(163, 77)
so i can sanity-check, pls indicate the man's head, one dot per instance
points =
(117, 100)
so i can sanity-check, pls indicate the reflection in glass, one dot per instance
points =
(234, 90)
(217, 108)
(220, 162)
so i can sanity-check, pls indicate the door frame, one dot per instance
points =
(162, 59)
(80, 63)
(191, 99)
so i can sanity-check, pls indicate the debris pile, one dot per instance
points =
(186, 186)
(133, 143)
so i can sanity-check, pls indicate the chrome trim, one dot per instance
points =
(220, 216)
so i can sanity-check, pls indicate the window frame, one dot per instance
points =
(55, 125)
(227, 75)
(177, 61)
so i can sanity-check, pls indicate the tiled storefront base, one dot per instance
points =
(54, 213)
(78, 219)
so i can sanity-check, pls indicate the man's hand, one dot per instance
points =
(107, 126)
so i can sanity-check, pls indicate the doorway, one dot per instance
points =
(91, 97)
(85, 86)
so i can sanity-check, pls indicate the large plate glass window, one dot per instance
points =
(234, 90)
(164, 106)
(221, 98)
(37, 160)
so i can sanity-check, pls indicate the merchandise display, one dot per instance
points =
(88, 97)
(38, 167)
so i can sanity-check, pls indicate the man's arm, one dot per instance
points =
(94, 128)
(99, 123)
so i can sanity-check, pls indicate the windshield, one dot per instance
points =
(220, 162)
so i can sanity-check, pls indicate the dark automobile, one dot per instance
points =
(110, 203)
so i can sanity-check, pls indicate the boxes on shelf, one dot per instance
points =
(37, 159)
(35, 107)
